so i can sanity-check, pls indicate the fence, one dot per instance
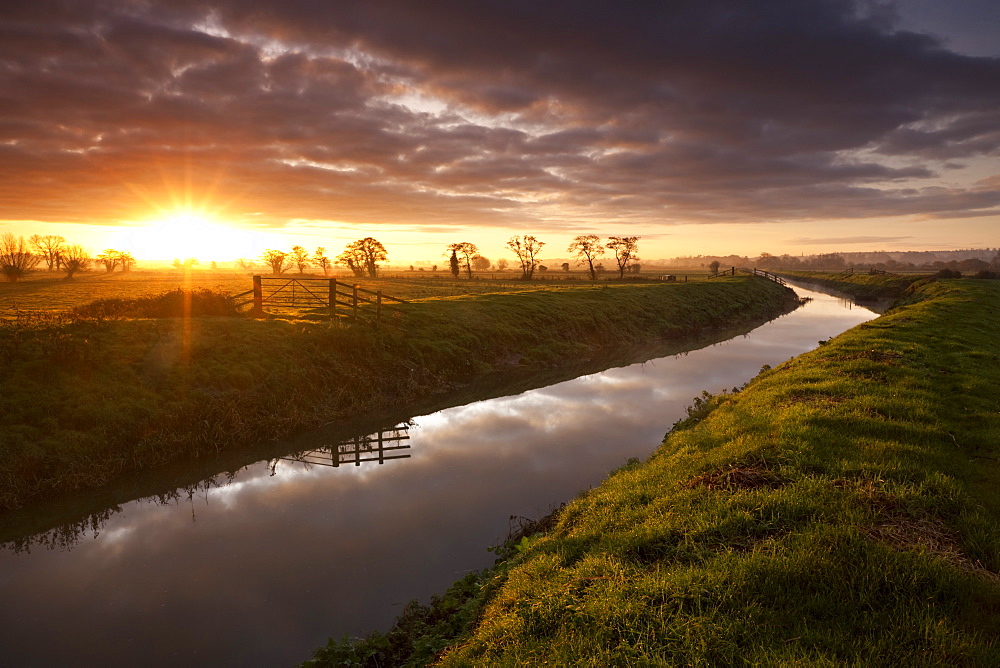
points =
(765, 274)
(329, 293)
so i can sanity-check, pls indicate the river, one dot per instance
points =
(261, 568)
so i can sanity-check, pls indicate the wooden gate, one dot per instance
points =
(354, 301)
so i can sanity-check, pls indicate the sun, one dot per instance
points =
(189, 235)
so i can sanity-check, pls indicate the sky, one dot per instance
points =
(218, 128)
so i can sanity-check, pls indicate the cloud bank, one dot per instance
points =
(561, 114)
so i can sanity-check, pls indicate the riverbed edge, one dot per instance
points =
(837, 510)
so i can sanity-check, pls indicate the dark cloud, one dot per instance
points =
(558, 111)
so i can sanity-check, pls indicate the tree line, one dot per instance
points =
(364, 256)
(19, 257)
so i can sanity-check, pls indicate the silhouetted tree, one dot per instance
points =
(713, 266)
(74, 259)
(16, 261)
(49, 247)
(526, 248)
(626, 250)
(110, 258)
(276, 259)
(502, 264)
(587, 247)
(321, 260)
(245, 264)
(300, 258)
(126, 261)
(453, 263)
(466, 251)
(363, 256)
(480, 263)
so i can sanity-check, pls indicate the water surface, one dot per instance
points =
(262, 568)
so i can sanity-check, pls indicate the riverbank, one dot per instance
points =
(859, 285)
(85, 401)
(841, 509)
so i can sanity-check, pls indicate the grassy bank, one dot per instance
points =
(84, 400)
(841, 510)
(859, 286)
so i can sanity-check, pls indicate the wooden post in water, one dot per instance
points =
(258, 297)
(354, 302)
(332, 297)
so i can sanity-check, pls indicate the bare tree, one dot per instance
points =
(278, 260)
(321, 260)
(587, 248)
(16, 261)
(74, 259)
(300, 258)
(50, 247)
(625, 249)
(502, 264)
(713, 267)
(526, 248)
(467, 251)
(245, 264)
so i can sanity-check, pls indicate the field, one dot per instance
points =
(840, 510)
(43, 291)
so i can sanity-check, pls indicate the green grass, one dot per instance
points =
(841, 510)
(860, 285)
(83, 401)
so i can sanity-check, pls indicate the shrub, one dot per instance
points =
(177, 303)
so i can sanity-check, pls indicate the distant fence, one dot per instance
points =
(761, 273)
(850, 271)
(329, 293)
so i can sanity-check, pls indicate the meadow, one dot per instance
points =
(90, 395)
(839, 510)
(47, 292)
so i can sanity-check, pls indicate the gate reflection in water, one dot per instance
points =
(368, 448)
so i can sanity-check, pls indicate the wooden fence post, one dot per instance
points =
(354, 302)
(258, 297)
(333, 297)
